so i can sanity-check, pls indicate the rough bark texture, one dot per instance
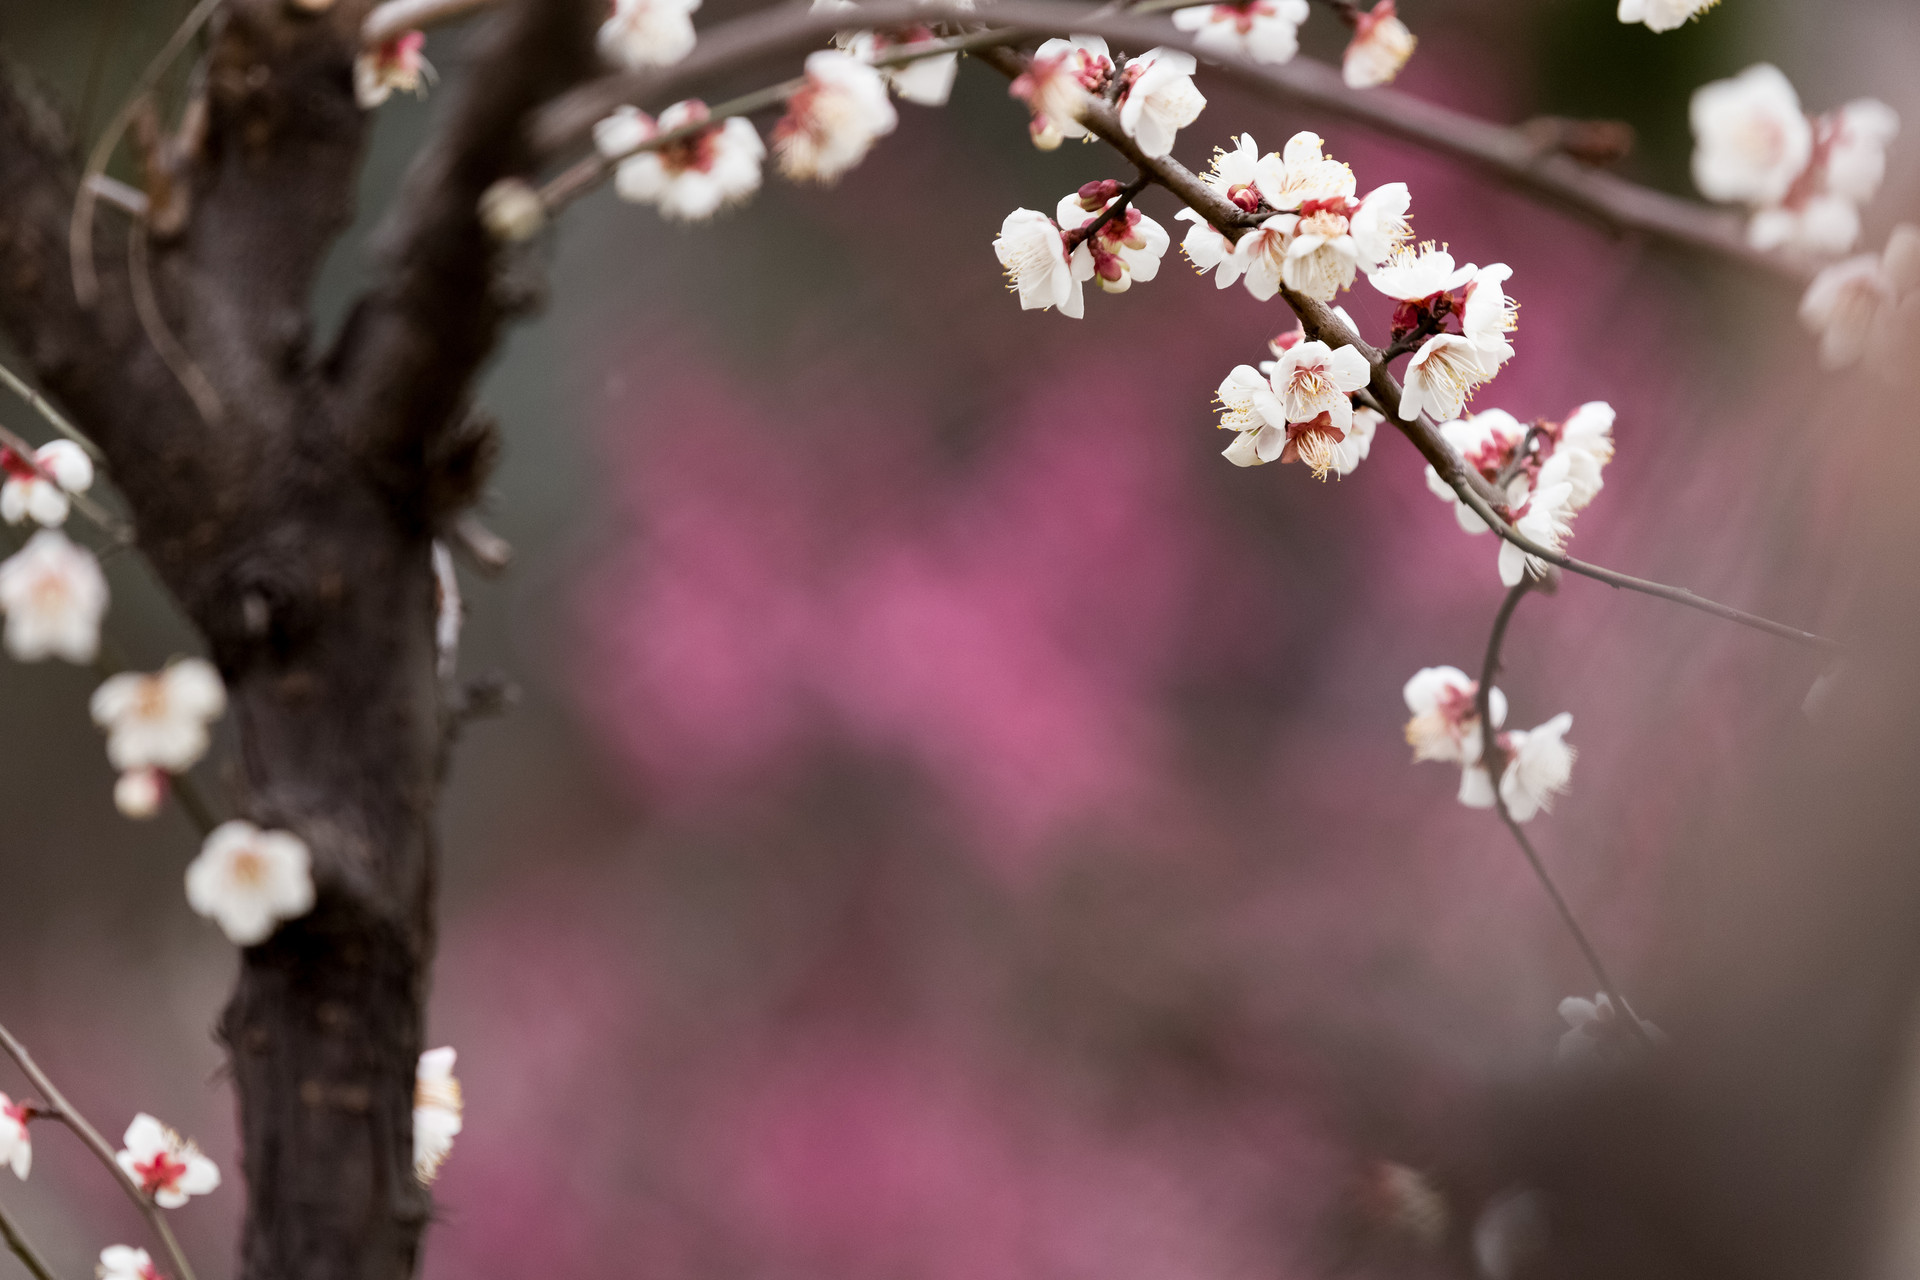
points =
(294, 527)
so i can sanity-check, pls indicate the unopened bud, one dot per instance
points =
(140, 792)
(1095, 195)
(512, 211)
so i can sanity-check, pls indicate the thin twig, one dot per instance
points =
(60, 1109)
(116, 529)
(147, 307)
(1115, 207)
(1493, 761)
(55, 419)
(86, 283)
(28, 1255)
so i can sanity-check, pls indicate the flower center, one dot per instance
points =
(160, 1173)
(249, 869)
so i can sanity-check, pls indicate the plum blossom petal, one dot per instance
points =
(1379, 225)
(1259, 30)
(54, 596)
(436, 1112)
(1056, 84)
(1441, 377)
(1415, 274)
(648, 33)
(123, 1262)
(1858, 135)
(1751, 139)
(1301, 173)
(834, 119)
(1380, 46)
(1158, 99)
(40, 488)
(1539, 767)
(1546, 519)
(1490, 316)
(395, 65)
(1033, 252)
(1445, 723)
(248, 881)
(1311, 379)
(1598, 1035)
(166, 1167)
(691, 179)
(159, 721)
(1261, 254)
(1662, 15)
(16, 1144)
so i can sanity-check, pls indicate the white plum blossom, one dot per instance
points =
(1311, 379)
(1259, 30)
(1854, 142)
(1854, 306)
(54, 595)
(1333, 238)
(1545, 518)
(1486, 442)
(139, 793)
(1581, 446)
(1662, 15)
(1817, 223)
(1249, 408)
(1379, 226)
(834, 119)
(1301, 412)
(1380, 46)
(926, 81)
(512, 211)
(165, 1166)
(124, 1262)
(436, 1112)
(690, 179)
(1489, 316)
(1056, 84)
(1208, 249)
(1445, 723)
(1260, 255)
(1598, 1035)
(397, 64)
(648, 33)
(1819, 213)
(1751, 139)
(247, 880)
(16, 1144)
(1126, 248)
(41, 487)
(1441, 377)
(1033, 251)
(1301, 173)
(1158, 99)
(1231, 175)
(160, 721)
(1539, 766)
(1417, 274)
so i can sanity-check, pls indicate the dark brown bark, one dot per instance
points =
(294, 527)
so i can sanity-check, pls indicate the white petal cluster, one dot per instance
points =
(1868, 308)
(1805, 179)
(1233, 175)
(1033, 251)
(1598, 1035)
(1445, 721)
(1380, 46)
(124, 1262)
(1126, 248)
(160, 721)
(247, 881)
(927, 81)
(1302, 411)
(1662, 15)
(436, 1112)
(16, 1144)
(648, 33)
(54, 596)
(1056, 84)
(689, 179)
(1259, 30)
(41, 488)
(1539, 767)
(167, 1168)
(1158, 99)
(834, 119)
(395, 65)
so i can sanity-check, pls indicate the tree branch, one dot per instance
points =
(1508, 156)
(17, 1243)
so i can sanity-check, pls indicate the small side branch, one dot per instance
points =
(20, 1247)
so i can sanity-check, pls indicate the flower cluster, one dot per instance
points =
(1868, 307)
(708, 167)
(1269, 31)
(1299, 408)
(1060, 80)
(41, 488)
(166, 1167)
(436, 1112)
(1548, 472)
(1445, 726)
(396, 64)
(157, 725)
(1048, 260)
(1805, 179)
(248, 881)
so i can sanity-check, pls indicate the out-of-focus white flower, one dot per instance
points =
(41, 487)
(1598, 1035)
(834, 119)
(123, 1262)
(16, 1144)
(1662, 15)
(1486, 442)
(1301, 173)
(1489, 316)
(1445, 722)
(1751, 140)
(160, 721)
(926, 81)
(690, 179)
(436, 1112)
(1034, 253)
(397, 64)
(648, 33)
(1380, 46)
(165, 1166)
(1311, 379)
(54, 595)
(139, 793)
(1546, 518)
(1158, 99)
(1539, 766)
(1819, 224)
(1441, 377)
(1128, 247)
(1856, 138)
(247, 881)
(1056, 84)
(1582, 446)
(1842, 306)
(1260, 30)
(512, 211)
(1261, 254)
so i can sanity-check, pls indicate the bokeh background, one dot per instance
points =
(954, 824)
